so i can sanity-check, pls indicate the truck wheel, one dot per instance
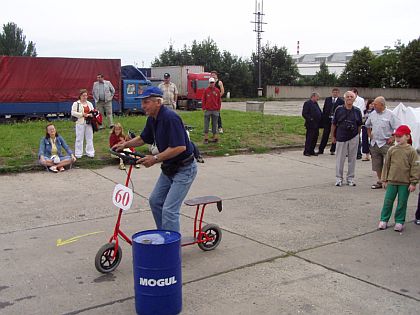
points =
(189, 105)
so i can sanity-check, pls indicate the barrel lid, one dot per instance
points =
(156, 237)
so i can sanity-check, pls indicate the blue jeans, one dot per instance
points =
(168, 195)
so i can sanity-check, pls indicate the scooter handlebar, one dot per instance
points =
(128, 156)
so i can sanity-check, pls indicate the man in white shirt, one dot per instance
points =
(359, 102)
(103, 92)
(381, 125)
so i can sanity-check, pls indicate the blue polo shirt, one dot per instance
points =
(167, 130)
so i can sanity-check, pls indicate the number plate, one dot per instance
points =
(122, 197)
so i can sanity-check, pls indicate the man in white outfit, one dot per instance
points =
(359, 102)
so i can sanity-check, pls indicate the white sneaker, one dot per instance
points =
(351, 183)
(398, 227)
(382, 225)
(339, 183)
(220, 130)
(54, 169)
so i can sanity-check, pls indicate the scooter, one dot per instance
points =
(207, 237)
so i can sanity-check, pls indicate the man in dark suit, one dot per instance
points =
(330, 104)
(312, 114)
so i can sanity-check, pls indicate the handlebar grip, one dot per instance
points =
(127, 156)
(134, 153)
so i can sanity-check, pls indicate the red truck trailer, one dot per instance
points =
(45, 86)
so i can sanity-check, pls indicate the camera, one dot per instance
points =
(349, 125)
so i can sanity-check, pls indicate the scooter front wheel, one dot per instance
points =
(104, 261)
(215, 233)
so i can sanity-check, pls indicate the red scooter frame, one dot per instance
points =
(209, 236)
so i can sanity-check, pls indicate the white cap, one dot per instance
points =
(212, 80)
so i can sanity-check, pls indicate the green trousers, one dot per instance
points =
(391, 193)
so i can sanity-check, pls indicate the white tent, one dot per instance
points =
(411, 117)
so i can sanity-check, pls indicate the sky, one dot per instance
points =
(138, 31)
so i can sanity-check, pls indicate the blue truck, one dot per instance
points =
(48, 86)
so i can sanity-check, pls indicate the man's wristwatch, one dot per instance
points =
(156, 158)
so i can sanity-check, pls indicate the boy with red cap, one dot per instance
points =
(399, 176)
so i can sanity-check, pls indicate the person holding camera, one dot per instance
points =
(179, 169)
(82, 110)
(345, 129)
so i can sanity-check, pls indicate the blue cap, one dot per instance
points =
(151, 91)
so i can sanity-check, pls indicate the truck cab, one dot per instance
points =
(197, 83)
(132, 89)
(133, 83)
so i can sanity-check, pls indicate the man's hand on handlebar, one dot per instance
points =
(147, 161)
(118, 147)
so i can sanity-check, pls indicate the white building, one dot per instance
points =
(309, 64)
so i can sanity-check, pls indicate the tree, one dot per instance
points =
(205, 53)
(13, 42)
(277, 66)
(410, 63)
(386, 69)
(358, 70)
(323, 77)
(236, 75)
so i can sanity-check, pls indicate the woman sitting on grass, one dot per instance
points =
(50, 151)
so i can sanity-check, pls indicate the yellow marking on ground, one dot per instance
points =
(61, 242)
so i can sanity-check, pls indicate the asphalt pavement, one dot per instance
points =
(293, 243)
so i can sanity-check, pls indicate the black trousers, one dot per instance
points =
(324, 140)
(365, 141)
(311, 139)
(219, 121)
(418, 209)
(359, 148)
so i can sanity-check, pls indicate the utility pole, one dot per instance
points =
(258, 22)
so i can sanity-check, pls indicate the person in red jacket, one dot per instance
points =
(211, 104)
(118, 136)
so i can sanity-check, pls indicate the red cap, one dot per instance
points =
(402, 130)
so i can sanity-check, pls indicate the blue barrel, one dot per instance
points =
(157, 272)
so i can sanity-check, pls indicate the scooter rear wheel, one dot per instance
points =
(213, 231)
(103, 260)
